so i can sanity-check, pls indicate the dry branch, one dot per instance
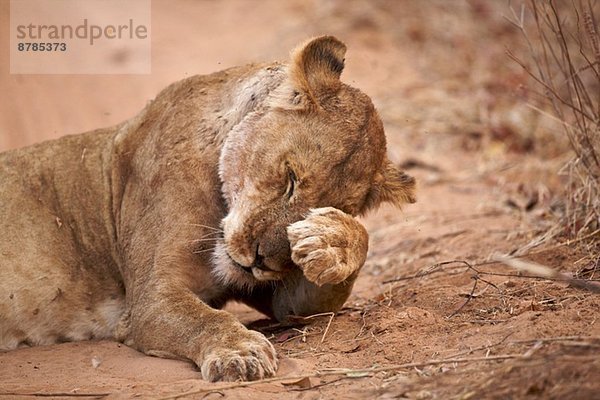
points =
(545, 272)
(54, 395)
(430, 270)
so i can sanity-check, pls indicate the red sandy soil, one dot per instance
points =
(457, 119)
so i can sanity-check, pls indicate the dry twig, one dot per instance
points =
(430, 270)
(54, 395)
(545, 272)
(469, 297)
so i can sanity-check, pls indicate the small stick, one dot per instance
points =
(15, 394)
(557, 339)
(469, 297)
(431, 270)
(486, 347)
(327, 327)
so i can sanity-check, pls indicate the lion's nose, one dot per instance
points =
(271, 257)
(272, 247)
(259, 262)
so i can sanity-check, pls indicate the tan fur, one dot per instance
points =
(240, 185)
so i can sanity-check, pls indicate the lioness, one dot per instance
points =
(240, 185)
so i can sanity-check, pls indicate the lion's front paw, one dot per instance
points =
(329, 245)
(241, 355)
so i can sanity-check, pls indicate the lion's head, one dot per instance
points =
(317, 143)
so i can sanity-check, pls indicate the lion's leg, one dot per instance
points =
(166, 318)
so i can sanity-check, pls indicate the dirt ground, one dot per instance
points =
(432, 315)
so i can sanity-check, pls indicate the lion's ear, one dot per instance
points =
(398, 187)
(391, 186)
(317, 65)
(314, 73)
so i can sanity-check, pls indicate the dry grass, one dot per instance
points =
(564, 60)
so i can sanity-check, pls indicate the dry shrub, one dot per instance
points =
(564, 60)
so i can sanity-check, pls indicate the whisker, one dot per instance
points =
(205, 226)
(203, 250)
(205, 240)
(211, 235)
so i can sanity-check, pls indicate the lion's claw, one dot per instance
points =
(250, 357)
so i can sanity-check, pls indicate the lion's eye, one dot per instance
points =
(291, 184)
